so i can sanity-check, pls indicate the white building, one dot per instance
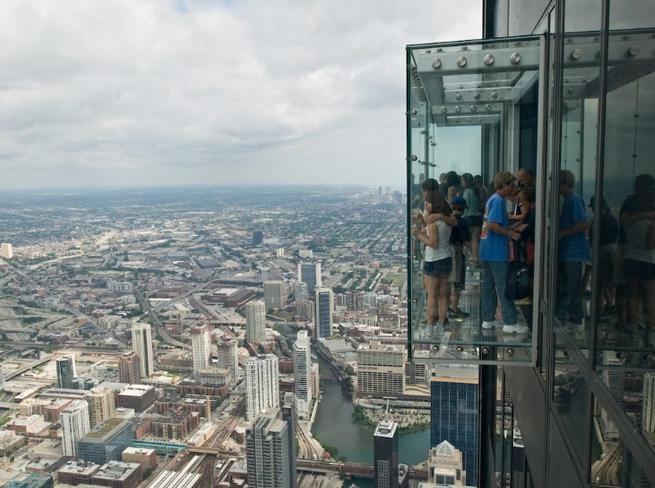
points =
(275, 295)
(101, 405)
(142, 346)
(228, 356)
(255, 321)
(6, 251)
(445, 467)
(648, 415)
(75, 425)
(381, 369)
(323, 316)
(302, 370)
(262, 385)
(279, 252)
(201, 348)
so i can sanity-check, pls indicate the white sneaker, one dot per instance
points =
(489, 325)
(515, 329)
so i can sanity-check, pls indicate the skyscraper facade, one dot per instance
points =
(142, 346)
(385, 454)
(75, 424)
(381, 369)
(455, 414)
(268, 453)
(101, 405)
(129, 368)
(323, 315)
(648, 409)
(302, 365)
(445, 466)
(289, 416)
(201, 348)
(310, 274)
(275, 295)
(255, 321)
(228, 356)
(66, 372)
(262, 384)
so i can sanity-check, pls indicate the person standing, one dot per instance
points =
(473, 213)
(494, 256)
(573, 252)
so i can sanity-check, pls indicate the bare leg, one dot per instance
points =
(443, 299)
(475, 243)
(429, 283)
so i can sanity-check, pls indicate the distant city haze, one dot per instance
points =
(190, 92)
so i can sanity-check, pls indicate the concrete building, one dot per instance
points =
(310, 273)
(381, 369)
(34, 480)
(142, 346)
(228, 356)
(201, 348)
(289, 416)
(66, 372)
(129, 368)
(648, 411)
(385, 454)
(107, 442)
(255, 321)
(137, 397)
(446, 466)
(275, 295)
(147, 458)
(268, 452)
(262, 385)
(117, 474)
(76, 472)
(323, 314)
(6, 251)
(101, 405)
(302, 366)
(75, 425)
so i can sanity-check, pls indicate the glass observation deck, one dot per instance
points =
(533, 103)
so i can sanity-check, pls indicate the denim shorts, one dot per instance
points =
(438, 269)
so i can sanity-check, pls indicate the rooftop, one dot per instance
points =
(116, 470)
(107, 427)
(386, 428)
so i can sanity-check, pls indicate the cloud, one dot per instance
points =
(196, 91)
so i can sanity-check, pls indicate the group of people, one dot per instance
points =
(461, 219)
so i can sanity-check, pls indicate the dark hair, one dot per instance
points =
(438, 203)
(468, 182)
(430, 184)
(528, 194)
(477, 179)
(644, 182)
(452, 179)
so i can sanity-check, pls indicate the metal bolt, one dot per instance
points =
(414, 112)
(423, 131)
(458, 96)
(476, 96)
(460, 349)
(444, 110)
(458, 109)
(576, 54)
(515, 58)
(494, 95)
(461, 61)
(633, 51)
(485, 350)
(414, 158)
(510, 351)
(428, 51)
(474, 108)
(487, 107)
(489, 59)
(436, 63)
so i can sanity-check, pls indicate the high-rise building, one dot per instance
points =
(323, 315)
(268, 453)
(445, 466)
(262, 384)
(201, 348)
(300, 291)
(455, 413)
(75, 425)
(107, 442)
(129, 368)
(648, 409)
(289, 416)
(302, 368)
(255, 321)
(34, 480)
(279, 252)
(381, 369)
(228, 356)
(305, 309)
(142, 346)
(310, 274)
(6, 251)
(66, 372)
(275, 294)
(257, 238)
(385, 454)
(101, 405)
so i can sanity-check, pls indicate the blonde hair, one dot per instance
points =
(566, 178)
(503, 178)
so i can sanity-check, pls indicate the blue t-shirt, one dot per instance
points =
(574, 247)
(493, 246)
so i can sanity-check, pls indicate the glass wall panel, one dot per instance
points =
(626, 274)
(577, 177)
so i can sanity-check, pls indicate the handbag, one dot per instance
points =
(518, 275)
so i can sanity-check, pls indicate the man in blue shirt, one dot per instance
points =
(573, 252)
(494, 256)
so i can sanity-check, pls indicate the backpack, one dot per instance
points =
(461, 232)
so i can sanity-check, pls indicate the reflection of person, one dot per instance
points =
(573, 252)
(525, 178)
(459, 238)
(453, 182)
(609, 235)
(438, 262)
(638, 224)
(494, 256)
(473, 213)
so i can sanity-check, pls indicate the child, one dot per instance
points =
(459, 237)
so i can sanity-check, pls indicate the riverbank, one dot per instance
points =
(407, 421)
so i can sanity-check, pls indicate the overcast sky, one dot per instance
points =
(160, 92)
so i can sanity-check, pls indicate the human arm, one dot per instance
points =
(451, 220)
(503, 231)
(628, 218)
(431, 240)
(574, 218)
(578, 228)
